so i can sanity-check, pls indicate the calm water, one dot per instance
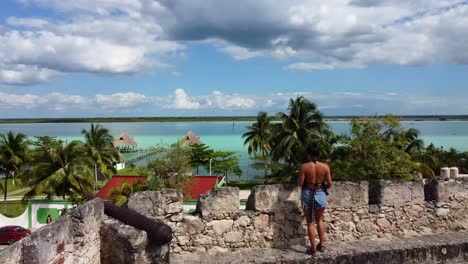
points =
(227, 136)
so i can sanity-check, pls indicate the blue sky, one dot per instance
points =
(218, 57)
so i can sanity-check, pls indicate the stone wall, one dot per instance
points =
(273, 216)
(86, 236)
(73, 238)
(125, 244)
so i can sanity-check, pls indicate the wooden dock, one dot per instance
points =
(146, 154)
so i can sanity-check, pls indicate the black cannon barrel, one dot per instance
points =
(159, 233)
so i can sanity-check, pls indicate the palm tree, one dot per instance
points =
(13, 149)
(259, 136)
(100, 147)
(121, 194)
(61, 170)
(296, 129)
(414, 145)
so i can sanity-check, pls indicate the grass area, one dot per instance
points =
(243, 185)
(10, 185)
(14, 208)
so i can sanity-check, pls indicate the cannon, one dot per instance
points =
(159, 233)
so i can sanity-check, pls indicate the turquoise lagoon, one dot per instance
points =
(227, 136)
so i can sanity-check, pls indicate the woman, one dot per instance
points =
(312, 179)
(49, 219)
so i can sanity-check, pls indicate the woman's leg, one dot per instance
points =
(320, 225)
(310, 230)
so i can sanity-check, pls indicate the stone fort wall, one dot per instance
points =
(359, 211)
(273, 217)
(86, 236)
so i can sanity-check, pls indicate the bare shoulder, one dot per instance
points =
(324, 165)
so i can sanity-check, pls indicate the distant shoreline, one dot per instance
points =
(208, 119)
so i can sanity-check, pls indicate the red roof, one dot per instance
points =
(199, 185)
(116, 181)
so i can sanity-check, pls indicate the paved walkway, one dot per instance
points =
(440, 248)
(19, 191)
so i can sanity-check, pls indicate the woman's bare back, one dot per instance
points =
(313, 175)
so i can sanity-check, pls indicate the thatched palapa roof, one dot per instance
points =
(190, 139)
(124, 140)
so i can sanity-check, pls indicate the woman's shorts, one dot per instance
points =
(320, 198)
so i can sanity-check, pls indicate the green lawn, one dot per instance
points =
(14, 208)
(10, 185)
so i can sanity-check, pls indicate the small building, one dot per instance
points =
(190, 139)
(199, 185)
(202, 184)
(115, 182)
(125, 143)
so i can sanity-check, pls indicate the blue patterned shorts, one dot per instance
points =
(313, 200)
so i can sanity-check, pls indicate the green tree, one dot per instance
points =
(296, 128)
(13, 155)
(259, 139)
(100, 147)
(42, 143)
(225, 162)
(62, 170)
(374, 151)
(199, 155)
(171, 169)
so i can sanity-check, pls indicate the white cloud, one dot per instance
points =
(27, 22)
(183, 101)
(22, 74)
(69, 53)
(218, 100)
(128, 36)
(309, 66)
(120, 100)
(219, 103)
(19, 102)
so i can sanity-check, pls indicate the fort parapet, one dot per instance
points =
(360, 212)
(272, 219)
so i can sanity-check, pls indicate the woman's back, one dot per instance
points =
(314, 174)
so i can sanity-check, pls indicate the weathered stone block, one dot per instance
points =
(234, 236)
(261, 221)
(73, 238)
(272, 198)
(452, 190)
(349, 194)
(192, 225)
(219, 201)
(242, 221)
(221, 226)
(165, 204)
(125, 244)
(398, 193)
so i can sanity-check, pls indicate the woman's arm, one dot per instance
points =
(300, 180)
(328, 178)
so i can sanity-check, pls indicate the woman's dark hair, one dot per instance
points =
(314, 151)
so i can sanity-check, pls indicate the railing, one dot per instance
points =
(147, 153)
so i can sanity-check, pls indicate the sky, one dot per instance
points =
(108, 58)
